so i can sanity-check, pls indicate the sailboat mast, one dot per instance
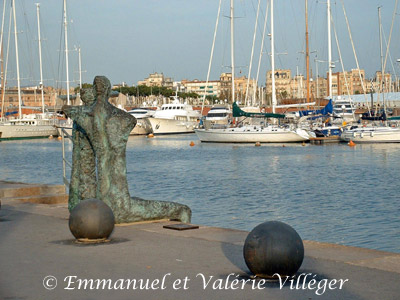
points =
(66, 49)
(2, 56)
(211, 55)
(381, 51)
(232, 53)
(251, 56)
(17, 61)
(307, 56)
(329, 49)
(80, 67)
(40, 54)
(80, 74)
(273, 58)
(3, 92)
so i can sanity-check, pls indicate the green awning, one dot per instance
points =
(394, 118)
(237, 112)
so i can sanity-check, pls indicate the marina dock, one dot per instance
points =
(36, 243)
(323, 140)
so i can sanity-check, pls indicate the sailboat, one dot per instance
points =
(263, 133)
(374, 133)
(30, 126)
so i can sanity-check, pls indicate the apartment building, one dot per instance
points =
(386, 85)
(154, 79)
(31, 96)
(240, 87)
(213, 88)
(283, 83)
(348, 82)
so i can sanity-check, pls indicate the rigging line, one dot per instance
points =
(6, 67)
(313, 18)
(252, 53)
(262, 17)
(2, 29)
(390, 38)
(277, 20)
(295, 13)
(28, 37)
(390, 56)
(60, 55)
(49, 59)
(355, 57)
(262, 45)
(341, 61)
(225, 41)
(211, 55)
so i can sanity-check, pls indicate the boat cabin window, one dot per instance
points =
(214, 115)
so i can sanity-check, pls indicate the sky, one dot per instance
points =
(126, 40)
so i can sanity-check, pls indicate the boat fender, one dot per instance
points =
(372, 133)
(361, 134)
(354, 134)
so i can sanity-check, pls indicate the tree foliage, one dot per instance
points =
(84, 86)
(144, 91)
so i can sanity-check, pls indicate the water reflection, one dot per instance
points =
(331, 193)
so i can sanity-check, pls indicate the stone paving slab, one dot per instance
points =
(35, 242)
(32, 193)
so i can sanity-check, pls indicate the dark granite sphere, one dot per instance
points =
(91, 219)
(273, 247)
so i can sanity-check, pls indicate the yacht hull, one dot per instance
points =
(243, 135)
(142, 127)
(171, 126)
(372, 135)
(26, 131)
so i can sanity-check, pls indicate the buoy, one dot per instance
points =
(303, 144)
(351, 144)
(50, 136)
(150, 135)
(59, 137)
(258, 144)
(192, 144)
(283, 146)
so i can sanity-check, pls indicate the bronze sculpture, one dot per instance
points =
(107, 129)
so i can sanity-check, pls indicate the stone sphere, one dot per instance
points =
(91, 219)
(273, 247)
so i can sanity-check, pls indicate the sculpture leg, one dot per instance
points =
(147, 210)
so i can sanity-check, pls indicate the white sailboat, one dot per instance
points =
(375, 132)
(263, 133)
(27, 126)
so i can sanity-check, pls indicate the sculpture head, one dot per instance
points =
(87, 96)
(102, 86)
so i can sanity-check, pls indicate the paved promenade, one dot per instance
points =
(205, 263)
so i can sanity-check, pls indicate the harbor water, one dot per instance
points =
(329, 193)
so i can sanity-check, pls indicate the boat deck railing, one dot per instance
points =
(65, 135)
